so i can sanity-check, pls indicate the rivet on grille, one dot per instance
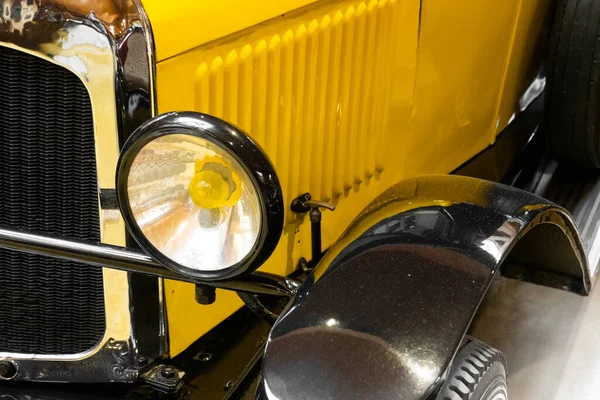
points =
(8, 370)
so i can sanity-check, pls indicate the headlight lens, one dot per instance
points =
(199, 196)
(194, 202)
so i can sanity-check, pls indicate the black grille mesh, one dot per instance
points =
(47, 184)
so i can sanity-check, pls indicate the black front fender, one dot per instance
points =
(385, 311)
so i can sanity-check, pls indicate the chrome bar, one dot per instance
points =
(104, 255)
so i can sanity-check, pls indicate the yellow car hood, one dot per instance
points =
(179, 26)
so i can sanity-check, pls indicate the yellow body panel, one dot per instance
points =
(347, 97)
(179, 26)
(462, 56)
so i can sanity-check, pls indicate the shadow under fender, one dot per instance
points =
(385, 311)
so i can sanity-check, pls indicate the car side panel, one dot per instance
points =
(347, 98)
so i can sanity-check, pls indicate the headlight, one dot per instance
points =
(199, 196)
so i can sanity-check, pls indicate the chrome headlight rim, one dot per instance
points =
(237, 144)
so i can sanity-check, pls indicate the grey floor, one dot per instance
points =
(551, 339)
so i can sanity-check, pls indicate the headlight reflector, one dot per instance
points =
(194, 202)
(191, 202)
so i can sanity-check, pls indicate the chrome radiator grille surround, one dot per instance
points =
(48, 183)
(89, 64)
(105, 53)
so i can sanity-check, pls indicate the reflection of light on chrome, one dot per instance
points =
(18, 15)
(199, 122)
(73, 62)
(491, 247)
(155, 214)
(82, 35)
(497, 244)
(287, 312)
(79, 36)
(533, 91)
(331, 322)
(212, 239)
(270, 394)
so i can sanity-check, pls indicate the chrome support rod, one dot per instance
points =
(104, 255)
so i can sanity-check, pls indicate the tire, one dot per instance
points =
(573, 83)
(477, 373)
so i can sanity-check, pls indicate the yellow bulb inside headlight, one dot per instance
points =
(215, 184)
(194, 202)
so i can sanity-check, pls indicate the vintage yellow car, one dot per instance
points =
(163, 163)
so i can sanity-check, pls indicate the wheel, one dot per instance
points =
(573, 83)
(477, 373)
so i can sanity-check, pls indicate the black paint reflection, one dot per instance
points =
(384, 312)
